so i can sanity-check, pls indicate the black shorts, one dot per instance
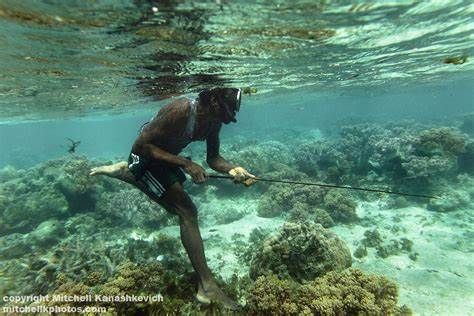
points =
(157, 178)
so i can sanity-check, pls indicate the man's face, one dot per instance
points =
(228, 100)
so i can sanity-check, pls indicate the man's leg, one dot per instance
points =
(119, 171)
(177, 201)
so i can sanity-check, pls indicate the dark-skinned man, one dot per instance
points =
(155, 168)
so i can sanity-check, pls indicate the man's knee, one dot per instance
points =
(179, 202)
(186, 212)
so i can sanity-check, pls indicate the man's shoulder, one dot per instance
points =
(176, 107)
(179, 103)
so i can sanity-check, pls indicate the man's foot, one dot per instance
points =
(108, 170)
(201, 295)
(215, 294)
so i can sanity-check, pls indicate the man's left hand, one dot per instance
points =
(243, 176)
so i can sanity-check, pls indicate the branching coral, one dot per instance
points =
(347, 292)
(404, 156)
(262, 158)
(322, 160)
(301, 251)
(135, 279)
(245, 251)
(270, 295)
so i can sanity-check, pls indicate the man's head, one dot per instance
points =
(223, 102)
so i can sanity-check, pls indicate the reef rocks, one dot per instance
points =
(262, 158)
(135, 279)
(322, 160)
(341, 207)
(130, 207)
(30, 203)
(347, 292)
(55, 189)
(47, 234)
(301, 251)
(384, 248)
(320, 205)
(452, 200)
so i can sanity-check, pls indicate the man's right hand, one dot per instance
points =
(196, 172)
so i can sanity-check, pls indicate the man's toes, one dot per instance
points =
(95, 171)
(202, 299)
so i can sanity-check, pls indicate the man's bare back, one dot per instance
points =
(172, 127)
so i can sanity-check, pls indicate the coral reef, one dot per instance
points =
(450, 200)
(384, 248)
(29, 203)
(304, 212)
(347, 292)
(439, 141)
(260, 159)
(77, 186)
(281, 198)
(130, 207)
(466, 159)
(341, 207)
(55, 189)
(245, 251)
(409, 158)
(308, 202)
(62, 231)
(47, 234)
(301, 251)
(13, 246)
(133, 279)
(321, 160)
(229, 214)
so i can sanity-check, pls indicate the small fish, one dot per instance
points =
(250, 90)
(455, 60)
(73, 146)
(160, 258)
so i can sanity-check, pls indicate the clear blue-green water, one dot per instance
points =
(365, 94)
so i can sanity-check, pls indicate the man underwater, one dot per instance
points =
(155, 168)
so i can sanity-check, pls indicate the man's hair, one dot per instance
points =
(205, 96)
(217, 92)
(227, 100)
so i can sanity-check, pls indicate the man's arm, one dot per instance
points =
(216, 162)
(214, 159)
(156, 153)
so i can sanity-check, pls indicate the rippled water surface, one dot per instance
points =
(71, 58)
